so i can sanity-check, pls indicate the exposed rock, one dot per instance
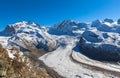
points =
(96, 23)
(64, 27)
(103, 52)
(9, 30)
(108, 20)
(19, 67)
(118, 22)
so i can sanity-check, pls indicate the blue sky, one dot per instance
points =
(49, 12)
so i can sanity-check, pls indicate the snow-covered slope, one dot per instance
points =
(29, 34)
(72, 49)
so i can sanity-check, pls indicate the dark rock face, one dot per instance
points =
(118, 22)
(9, 30)
(108, 20)
(105, 28)
(96, 23)
(103, 52)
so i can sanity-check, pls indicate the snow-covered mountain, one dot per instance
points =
(72, 49)
(68, 27)
(29, 33)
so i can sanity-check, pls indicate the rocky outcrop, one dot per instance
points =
(19, 67)
(67, 27)
(118, 22)
(108, 20)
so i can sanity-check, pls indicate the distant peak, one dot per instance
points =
(24, 24)
(96, 23)
(108, 20)
(11, 29)
(66, 23)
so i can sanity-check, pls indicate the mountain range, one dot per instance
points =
(68, 49)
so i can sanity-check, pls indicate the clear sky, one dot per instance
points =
(48, 12)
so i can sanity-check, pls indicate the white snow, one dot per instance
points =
(4, 41)
(60, 61)
(11, 55)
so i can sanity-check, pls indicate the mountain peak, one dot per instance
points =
(108, 20)
(24, 23)
(96, 23)
(65, 24)
(13, 28)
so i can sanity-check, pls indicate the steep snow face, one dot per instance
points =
(96, 23)
(92, 35)
(68, 27)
